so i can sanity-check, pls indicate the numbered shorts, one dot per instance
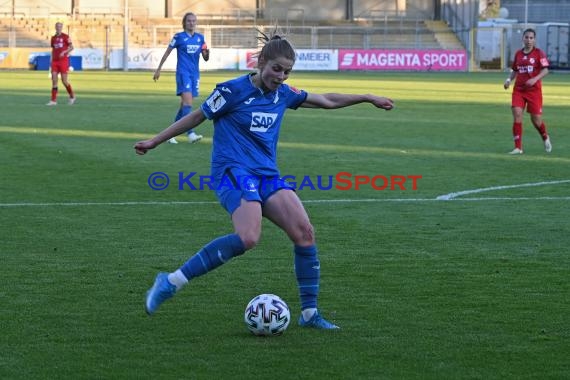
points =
(186, 82)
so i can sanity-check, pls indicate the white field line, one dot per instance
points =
(452, 196)
(446, 197)
(315, 201)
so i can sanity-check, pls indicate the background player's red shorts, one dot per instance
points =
(61, 66)
(532, 100)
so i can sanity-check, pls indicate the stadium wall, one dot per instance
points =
(290, 10)
(244, 59)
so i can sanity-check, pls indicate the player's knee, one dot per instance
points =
(536, 120)
(304, 234)
(249, 239)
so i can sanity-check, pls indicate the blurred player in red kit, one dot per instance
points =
(529, 66)
(61, 47)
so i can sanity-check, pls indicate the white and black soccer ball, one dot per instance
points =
(267, 315)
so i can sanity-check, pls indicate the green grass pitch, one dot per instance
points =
(475, 287)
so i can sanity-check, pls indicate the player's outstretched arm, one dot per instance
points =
(188, 122)
(162, 60)
(334, 100)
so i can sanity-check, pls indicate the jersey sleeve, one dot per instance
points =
(173, 41)
(543, 60)
(294, 96)
(219, 102)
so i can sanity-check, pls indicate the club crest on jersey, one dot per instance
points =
(216, 101)
(295, 90)
(262, 121)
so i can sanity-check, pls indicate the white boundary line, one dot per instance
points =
(452, 196)
(445, 197)
(315, 201)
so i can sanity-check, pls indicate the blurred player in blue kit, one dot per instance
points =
(189, 47)
(247, 113)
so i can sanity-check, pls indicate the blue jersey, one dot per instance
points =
(188, 51)
(246, 125)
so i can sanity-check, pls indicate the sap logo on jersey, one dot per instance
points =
(191, 49)
(262, 121)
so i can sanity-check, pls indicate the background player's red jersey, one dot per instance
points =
(59, 43)
(528, 65)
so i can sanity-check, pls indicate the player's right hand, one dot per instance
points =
(144, 146)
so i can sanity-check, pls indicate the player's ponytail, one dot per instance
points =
(275, 46)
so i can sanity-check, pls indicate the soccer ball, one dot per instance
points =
(267, 315)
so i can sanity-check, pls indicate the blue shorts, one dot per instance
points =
(186, 82)
(237, 184)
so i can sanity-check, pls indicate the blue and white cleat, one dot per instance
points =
(160, 292)
(317, 322)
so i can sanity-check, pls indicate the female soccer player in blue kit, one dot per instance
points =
(189, 46)
(247, 114)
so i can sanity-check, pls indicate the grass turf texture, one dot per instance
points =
(472, 288)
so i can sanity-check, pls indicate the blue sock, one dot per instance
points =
(212, 255)
(185, 110)
(178, 114)
(308, 271)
